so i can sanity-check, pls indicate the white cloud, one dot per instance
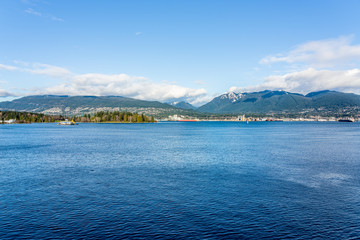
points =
(33, 12)
(310, 80)
(138, 33)
(8, 67)
(38, 68)
(4, 93)
(322, 53)
(49, 70)
(56, 18)
(39, 14)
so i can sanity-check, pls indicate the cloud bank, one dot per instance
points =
(123, 85)
(310, 80)
(323, 53)
(320, 61)
(105, 85)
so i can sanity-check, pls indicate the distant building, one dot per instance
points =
(175, 117)
(242, 118)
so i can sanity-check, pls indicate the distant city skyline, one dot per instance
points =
(177, 50)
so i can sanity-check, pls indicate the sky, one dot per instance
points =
(191, 50)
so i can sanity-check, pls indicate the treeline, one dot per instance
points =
(116, 116)
(26, 117)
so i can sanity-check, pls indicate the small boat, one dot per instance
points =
(346, 120)
(67, 122)
(10, 121)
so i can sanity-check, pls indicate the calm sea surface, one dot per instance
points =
(213, 180)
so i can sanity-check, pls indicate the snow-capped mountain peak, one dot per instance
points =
(232, 96)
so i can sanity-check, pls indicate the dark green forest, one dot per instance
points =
(99, 117)
(116, 116)
(27, 117)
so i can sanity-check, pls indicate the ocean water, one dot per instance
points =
(180, 180)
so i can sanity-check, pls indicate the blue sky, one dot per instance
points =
(177, 50)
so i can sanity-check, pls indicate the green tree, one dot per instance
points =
(139, 118)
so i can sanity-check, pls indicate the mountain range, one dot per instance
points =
(75, 105)
(265, 102)
(282, 102)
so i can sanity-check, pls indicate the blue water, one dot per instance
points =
(199, 180)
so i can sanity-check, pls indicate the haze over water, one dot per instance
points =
(180, 180)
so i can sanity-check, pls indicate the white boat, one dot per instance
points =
(67, 122)
(10, 121)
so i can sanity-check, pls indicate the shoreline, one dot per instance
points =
(164, 121)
